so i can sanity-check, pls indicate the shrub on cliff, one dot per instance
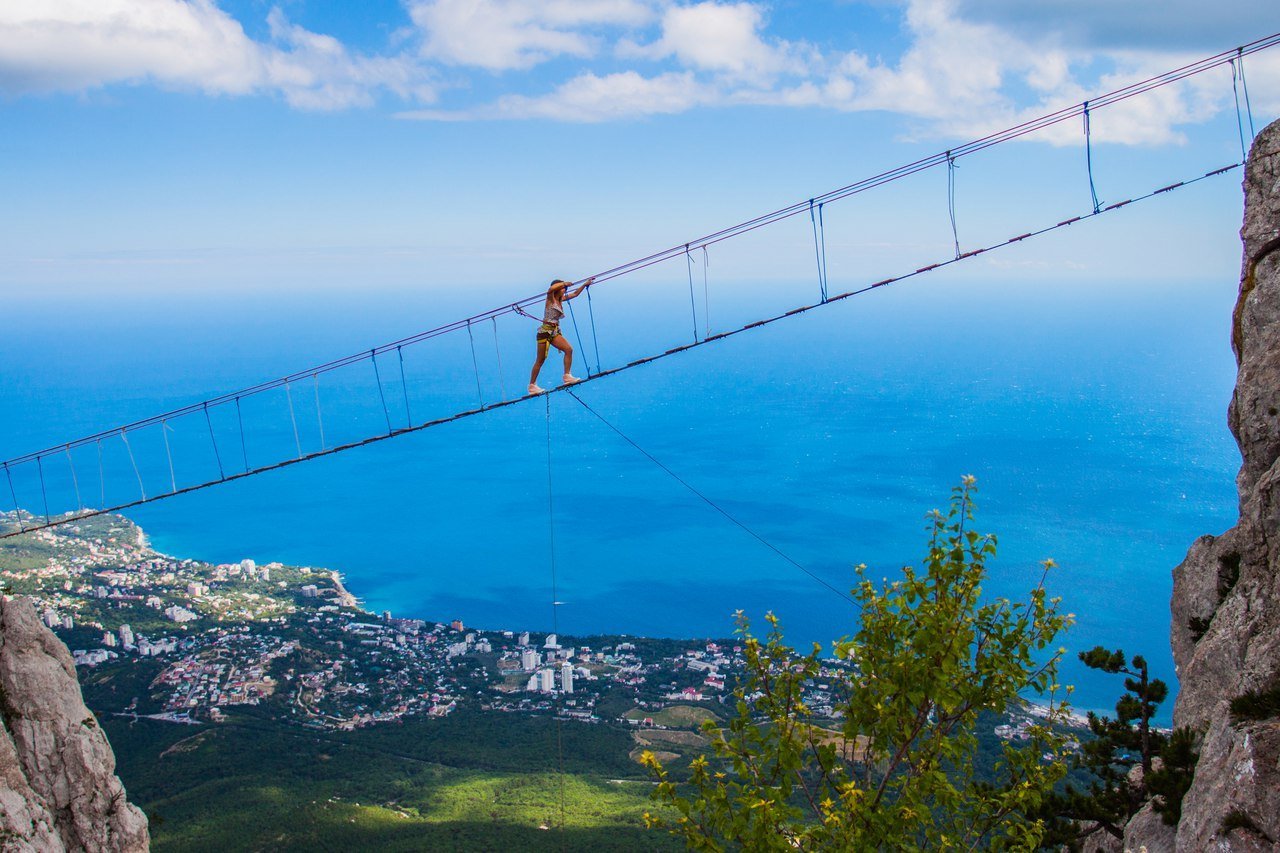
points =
(928, 656)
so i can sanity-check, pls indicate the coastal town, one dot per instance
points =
(212, 638)
(187, 641)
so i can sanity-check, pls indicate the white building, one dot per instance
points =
(126, 636)
(248, 567)
(180, 614)
(68, 622)
(530, 660)
(546, 681)
(552, 642)
(566, 677)
(524, 638)
(310, 591)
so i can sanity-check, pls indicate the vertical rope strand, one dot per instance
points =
(819, 250)
(377, 376)
(1088, 157)
(706, 293)
(43, 494)
(1235, 93)
(497, 350)
(75, 481)
(1244, 84)
(315, 378)
(822, 241)
(595, 341)
(951, 201)
(244, 448)
(17, 511)
(213, 440)
(404, 386)
(164, 431)
(134, 463)
(577, 336)
(102, 477)
(297, 441)
(693, 307)
(475, 364)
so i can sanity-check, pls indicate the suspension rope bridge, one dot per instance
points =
(55, 469)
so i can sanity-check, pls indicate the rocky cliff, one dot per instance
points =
(1226, 594)
(58, 789)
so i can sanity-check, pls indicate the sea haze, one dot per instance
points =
(1092, 415)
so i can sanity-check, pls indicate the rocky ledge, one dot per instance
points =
(1226, 595)
(58, 788)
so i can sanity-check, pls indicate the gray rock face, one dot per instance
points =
(1226, 593)
(58, 788)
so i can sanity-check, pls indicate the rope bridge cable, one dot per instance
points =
(940, 159)
(708, 501)
(637, 362)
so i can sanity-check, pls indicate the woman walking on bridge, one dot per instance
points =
(549, 332)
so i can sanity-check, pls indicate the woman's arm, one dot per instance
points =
(581, 288)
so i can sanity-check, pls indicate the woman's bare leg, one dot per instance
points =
(537, 362)
(560, 343)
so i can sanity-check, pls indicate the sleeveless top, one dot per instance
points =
(554, 313)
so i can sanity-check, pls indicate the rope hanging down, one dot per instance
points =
(951, 201)
(706, 291)
(819, 247)
(75, 481)
(595, 341)
(475, 364)
(1088, 157)
(377, 377)
(693, 307)
(497, 350)
(45, 494)
(765, 542)
(577, 335)
(165, 429)
(1238, 81)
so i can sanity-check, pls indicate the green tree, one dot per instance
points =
(928, 656)
(1130, 761)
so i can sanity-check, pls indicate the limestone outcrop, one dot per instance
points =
(1226, 595)
(58, 788)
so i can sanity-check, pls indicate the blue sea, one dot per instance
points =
(1093, 415)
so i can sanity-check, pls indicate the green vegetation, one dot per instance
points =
(464, 784)
(929, 656)
(1257, 704)
(675, 717)
(1121, 761)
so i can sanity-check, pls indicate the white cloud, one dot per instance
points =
(591, 98)
(502, 35)
(77, 45)
(719, 37)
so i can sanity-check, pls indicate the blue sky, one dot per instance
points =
(194, 146)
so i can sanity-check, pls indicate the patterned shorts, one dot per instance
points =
(547, 332)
